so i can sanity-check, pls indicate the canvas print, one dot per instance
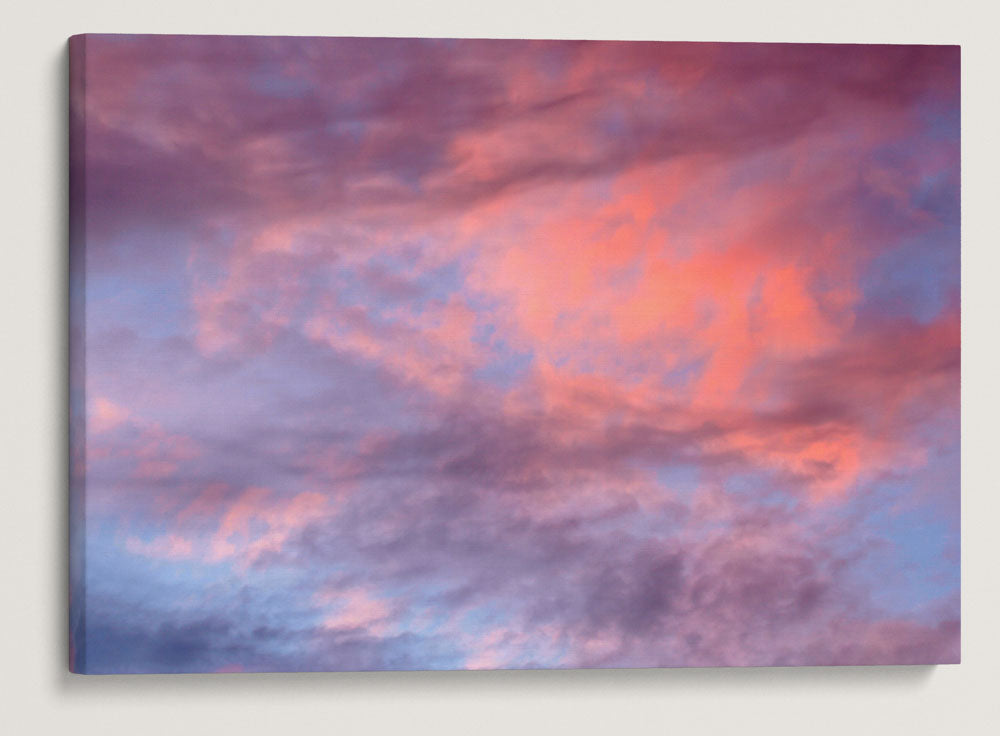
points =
(472, 354)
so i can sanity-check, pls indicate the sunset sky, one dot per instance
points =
(437, 354)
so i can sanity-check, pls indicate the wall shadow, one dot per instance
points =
(59, 108)
(717, 680)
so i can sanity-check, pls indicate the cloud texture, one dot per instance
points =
(407, 354)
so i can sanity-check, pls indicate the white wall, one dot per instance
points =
(36, 693)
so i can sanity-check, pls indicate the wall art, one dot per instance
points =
(396, 353)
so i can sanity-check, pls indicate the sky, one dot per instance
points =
(473, 354)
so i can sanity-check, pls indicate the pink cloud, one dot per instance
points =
(356, 608)
(258, 523)
(106, 415)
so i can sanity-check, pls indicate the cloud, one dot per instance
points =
(170, 547)
(275, 520)
(106, 415)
